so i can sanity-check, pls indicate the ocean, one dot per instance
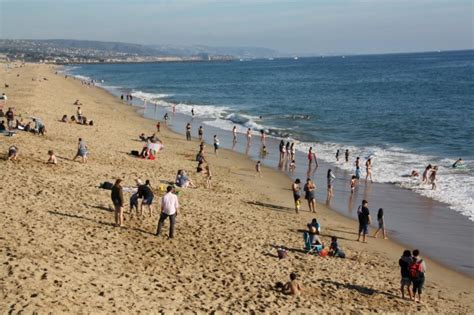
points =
(403, 110)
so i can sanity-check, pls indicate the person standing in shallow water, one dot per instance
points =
(347, 155)
(200, 133)
(381, 223)
(188, 132)
(309, 189)
(330, 179)
(337, 155)
(368, 168)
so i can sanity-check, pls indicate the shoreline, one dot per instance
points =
(236, 189)
(403, 237)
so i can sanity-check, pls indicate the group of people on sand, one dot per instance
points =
(153, 145)
(16, 123)
(127, 97)
(413, 270)
(169, 204)
(79, 118)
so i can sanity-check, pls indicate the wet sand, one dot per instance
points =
(62, 254)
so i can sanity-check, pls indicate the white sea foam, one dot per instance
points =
(394, 165)
(149, 96)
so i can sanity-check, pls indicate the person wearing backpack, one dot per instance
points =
(404, 263)
(417, 270)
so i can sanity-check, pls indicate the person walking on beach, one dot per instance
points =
(234, 134)
(381, 222)
(258, 168)
(188, 132)
(249, 135)
(404, 263)
(166, 118)
(364, 220)
(158, 126)
(368, 169)
(200, 133)
(81, 151)
(169, 209)
(262, 136)
(330, 179)
(417, 270)
(117, 200)
(309, 189)
(216, 144)
(145, 192)
(337, 155)
(295, 187)
(347, 155)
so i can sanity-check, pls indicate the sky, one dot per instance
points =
(288, 26)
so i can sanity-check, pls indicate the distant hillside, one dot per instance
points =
(238, 52)
(117, 47)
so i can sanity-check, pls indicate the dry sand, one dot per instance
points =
(61, 253)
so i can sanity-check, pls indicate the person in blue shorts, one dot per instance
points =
(145, 192)
(364, 220)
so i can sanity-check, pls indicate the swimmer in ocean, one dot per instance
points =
(457, 163)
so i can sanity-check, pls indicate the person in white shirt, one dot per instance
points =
(169, 208)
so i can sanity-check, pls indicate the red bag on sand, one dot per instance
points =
(151, 157)
(323, 252)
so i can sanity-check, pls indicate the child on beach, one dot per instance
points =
(158, 126)
(81, 151)
(292, 287)
(292, 166)
(425, 174)
(433, 177)
(12, 153)
(264, 152)
(209, 176)
(216, 144)
(258, 168)
(335, 250)
(295, 187)
(381, 222)
(404, 263)
(353, 183)
(52, 158)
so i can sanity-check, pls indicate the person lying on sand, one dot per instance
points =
(12, 153)
(292, 287)
(52, 158)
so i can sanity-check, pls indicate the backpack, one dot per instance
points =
(415, 270)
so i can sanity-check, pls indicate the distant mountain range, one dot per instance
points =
(142, 50)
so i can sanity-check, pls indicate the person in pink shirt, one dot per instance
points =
(169, 208)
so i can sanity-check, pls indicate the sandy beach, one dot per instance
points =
(61, 252)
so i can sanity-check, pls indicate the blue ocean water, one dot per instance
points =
(404, 110)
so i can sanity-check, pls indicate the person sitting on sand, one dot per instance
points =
(314, 238)
(27, 127)
(2, 126)
(292, 287)
(404, 263)
(19, 124)
(314, 223)
(81, 151)
(200, 157)
(64, 119)
(77, 103)
(12, 153)
(79, 115)
(183, 181)
(52, 158)
(142, 137)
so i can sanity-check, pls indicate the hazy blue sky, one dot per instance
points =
(291, 26)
